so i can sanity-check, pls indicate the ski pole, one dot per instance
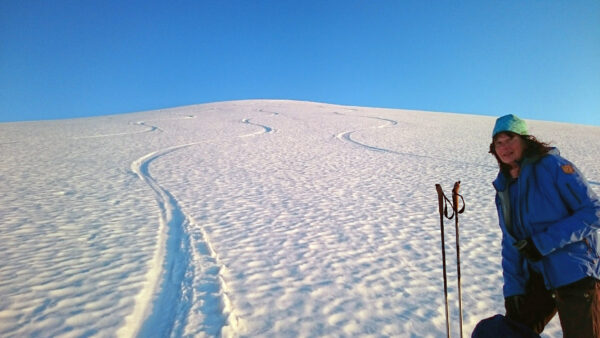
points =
(441, 197)
(443, 209)
(455, 197)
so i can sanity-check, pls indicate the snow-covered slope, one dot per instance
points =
(251, 218)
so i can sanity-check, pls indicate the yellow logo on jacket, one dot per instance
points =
(568, 169)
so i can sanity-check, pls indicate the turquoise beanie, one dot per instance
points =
(510, 123)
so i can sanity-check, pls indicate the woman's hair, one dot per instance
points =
(532, 148)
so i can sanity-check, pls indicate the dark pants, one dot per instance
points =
(578, 307)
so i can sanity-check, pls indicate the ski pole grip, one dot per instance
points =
(455, 195)
(440, 193)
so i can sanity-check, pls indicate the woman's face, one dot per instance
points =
(509, 148)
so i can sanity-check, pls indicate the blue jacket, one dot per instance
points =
(560, 212)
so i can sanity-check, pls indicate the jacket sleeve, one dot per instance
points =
(580, 200)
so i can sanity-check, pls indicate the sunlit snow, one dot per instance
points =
(254, 219)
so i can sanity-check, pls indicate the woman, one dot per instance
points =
(550, 219)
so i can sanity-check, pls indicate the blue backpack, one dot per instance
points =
(500, 326)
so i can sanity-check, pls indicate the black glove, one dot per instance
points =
(514, 306)
(528, 249)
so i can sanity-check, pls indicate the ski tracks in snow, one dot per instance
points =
(185, 274)
(160, 307)
(266, 129)
(347, 136)
(149, 129)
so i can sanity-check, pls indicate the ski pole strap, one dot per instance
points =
(445, 201)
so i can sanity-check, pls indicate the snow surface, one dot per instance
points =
(254, 219)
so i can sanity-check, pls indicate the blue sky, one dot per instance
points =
(539, 59)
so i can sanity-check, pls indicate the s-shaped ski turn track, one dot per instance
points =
(347, 136)
(184, 269)
(266, 129)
